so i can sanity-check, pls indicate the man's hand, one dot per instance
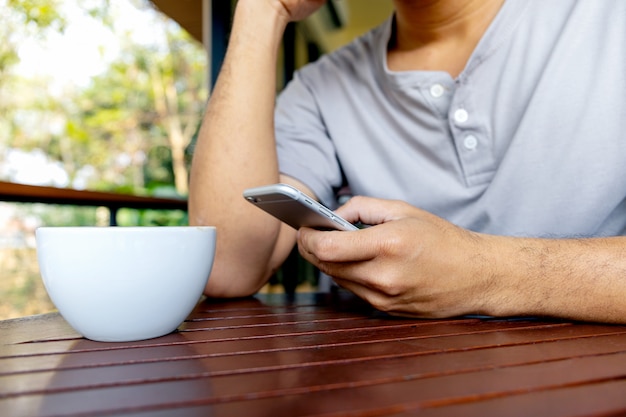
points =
(409, 263)
(413, 263)
(295, 10)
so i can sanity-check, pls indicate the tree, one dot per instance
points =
(179, 93)
(148, 103)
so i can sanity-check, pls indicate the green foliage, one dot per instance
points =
(130, 217)
(38, 15)
(8, 58)
(53, 215)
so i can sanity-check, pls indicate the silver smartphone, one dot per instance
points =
(295, 208)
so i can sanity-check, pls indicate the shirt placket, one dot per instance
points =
(472, 139)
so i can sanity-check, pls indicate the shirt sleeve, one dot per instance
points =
(305, 150)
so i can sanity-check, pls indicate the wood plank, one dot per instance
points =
(136, 363)
(352, 329)
(600, 399)
(407, 393)
(248, 357)
(315, 340)
(325, 376)
(32, 328)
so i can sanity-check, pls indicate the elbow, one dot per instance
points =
(237, 285)
(216, 291)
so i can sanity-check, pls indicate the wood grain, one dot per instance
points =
(316, 356)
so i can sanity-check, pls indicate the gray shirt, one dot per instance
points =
(529, 140)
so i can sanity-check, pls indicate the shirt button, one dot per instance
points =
(461, 116)
(470, 142)
(436, 90)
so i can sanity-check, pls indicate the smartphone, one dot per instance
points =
(295, 208)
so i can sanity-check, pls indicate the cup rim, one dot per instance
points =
(126, 228)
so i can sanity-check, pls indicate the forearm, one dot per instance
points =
(236, 150)
(581, 279)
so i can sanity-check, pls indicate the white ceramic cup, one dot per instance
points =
(125, 283)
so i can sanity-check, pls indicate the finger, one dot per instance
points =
(370, 295)
(383, 302)
(347, 257)
(365, 274)
(368, 210)
(339, 247)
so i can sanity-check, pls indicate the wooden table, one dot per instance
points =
(317, 355)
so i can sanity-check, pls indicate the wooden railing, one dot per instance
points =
(21, 193)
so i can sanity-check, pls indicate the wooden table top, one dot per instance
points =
(317, 355)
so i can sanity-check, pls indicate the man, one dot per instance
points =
(504, 121)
